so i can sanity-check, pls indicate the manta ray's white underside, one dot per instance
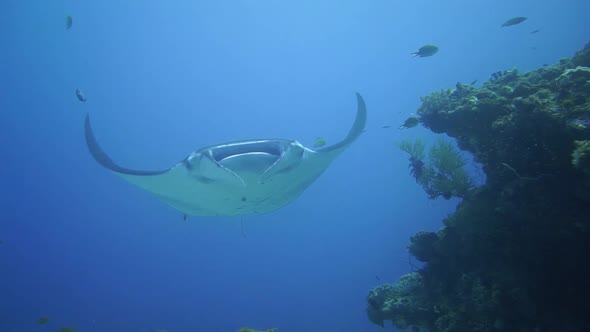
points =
(245, 177)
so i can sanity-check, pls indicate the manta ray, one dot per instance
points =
(238, 178)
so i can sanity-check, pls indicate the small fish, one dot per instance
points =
(535, 31)
(319, 142)
(42, 320)
(377, 277)
(385, 127)
(426, 50)
(81, 96)
(473, 83)
(410, 123)
(184, 217)
(545, 65)
(514, 21)
(69, 21)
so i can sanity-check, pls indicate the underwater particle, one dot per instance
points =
(410, 123)
(81, 96)
(426, 50)
(42, 320)
(69, 21)
(535, 31)
(386, 126)
(67, 329)
(513, 21)
(319, 142)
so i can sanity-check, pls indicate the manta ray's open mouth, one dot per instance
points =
(268, 147)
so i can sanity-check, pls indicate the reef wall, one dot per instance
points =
(514, 255)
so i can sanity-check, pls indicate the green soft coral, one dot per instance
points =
(443, 174)
(415, 149)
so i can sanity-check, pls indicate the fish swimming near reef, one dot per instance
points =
(534, 31)
(425, 51)
(238, 178)
(410, 123)
(319, 142)
(80, 95)
(514, 21)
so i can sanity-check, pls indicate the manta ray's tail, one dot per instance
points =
(357, 128)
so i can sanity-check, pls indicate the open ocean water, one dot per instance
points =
(85, 249)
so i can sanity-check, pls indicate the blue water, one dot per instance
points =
(163, 78)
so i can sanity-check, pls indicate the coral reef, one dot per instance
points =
(402, 302)
(513, 255)
(581, 156)
(422, 246)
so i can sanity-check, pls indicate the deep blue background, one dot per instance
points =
(164, 78)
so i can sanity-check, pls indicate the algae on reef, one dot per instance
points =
(513, 257)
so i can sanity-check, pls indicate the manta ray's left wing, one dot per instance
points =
(172, 185)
